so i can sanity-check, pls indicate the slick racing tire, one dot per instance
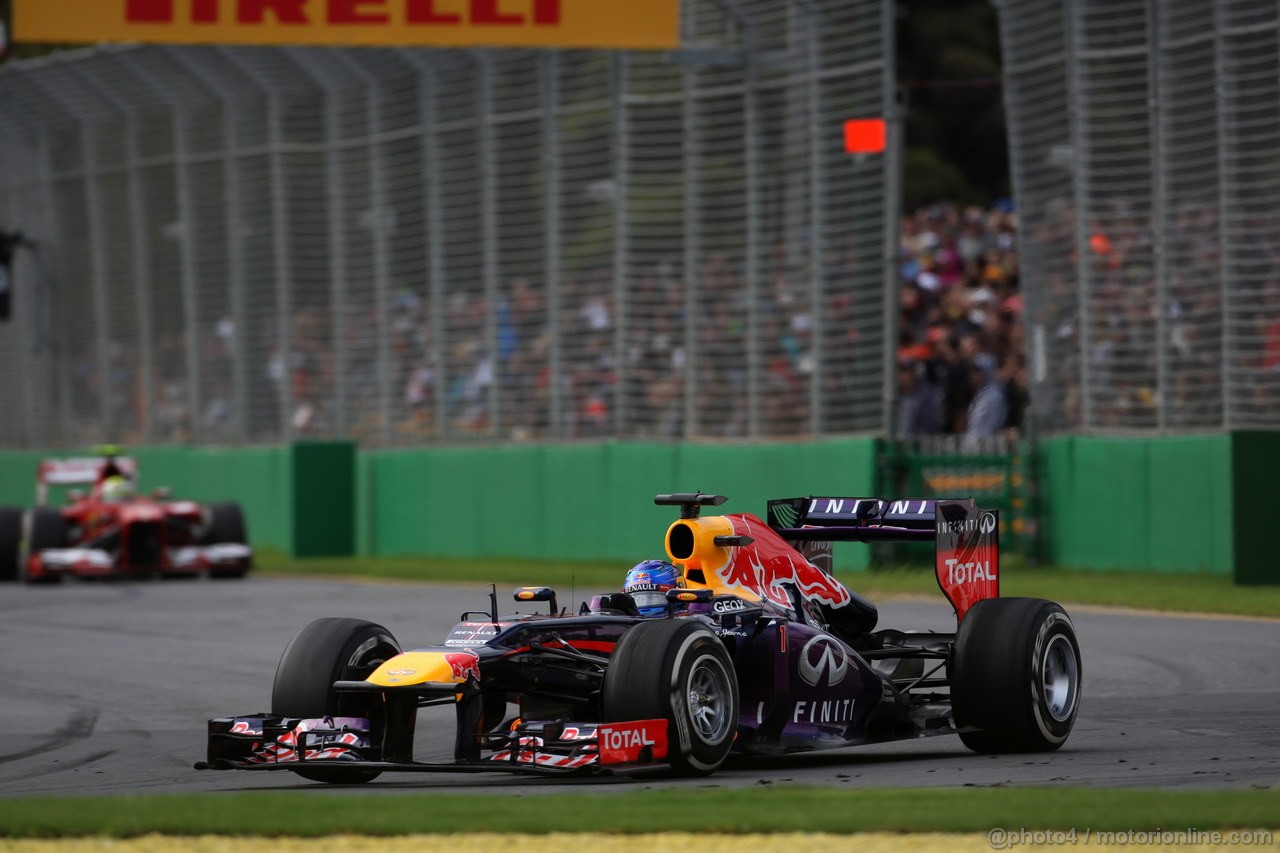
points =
(10, 542)
(1016, 676)
(226, 526)
(329, 650)
(677, 670)
(45, 528)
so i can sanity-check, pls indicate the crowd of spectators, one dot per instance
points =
(962, 365)
(526, 371)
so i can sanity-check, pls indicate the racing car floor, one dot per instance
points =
(108, 687)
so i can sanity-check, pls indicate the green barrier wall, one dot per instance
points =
(1169, 504)
(259, 478)
(1255, 466)
(18, 477)
(584, 501)
(324, 498)
(1196, 503)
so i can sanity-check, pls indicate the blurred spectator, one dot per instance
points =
(988, 411)
(961, 334)
(919, 401)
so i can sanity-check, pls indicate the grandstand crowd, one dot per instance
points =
(961, 354)
(962, 348)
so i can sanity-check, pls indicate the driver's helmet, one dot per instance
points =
(117, 490)
(647, 584)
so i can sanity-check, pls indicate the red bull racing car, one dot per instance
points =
(760, 651)
(111, 531)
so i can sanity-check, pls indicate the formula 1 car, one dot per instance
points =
(761, 651)
(110, 531)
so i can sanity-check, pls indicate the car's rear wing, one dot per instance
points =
(966, 538)
(80, 470)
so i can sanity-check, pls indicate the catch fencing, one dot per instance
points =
(1145, 140)
(248, 245)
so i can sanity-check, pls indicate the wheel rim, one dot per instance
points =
(1061, 677)
(709, 700)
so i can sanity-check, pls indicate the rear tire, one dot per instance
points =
(45, 528)
(227, 526)
(329, 650)
(10, 542)
(1016, 676)
(676, 670)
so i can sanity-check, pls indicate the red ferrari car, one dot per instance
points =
(111, 531)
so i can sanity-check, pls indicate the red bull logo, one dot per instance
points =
(769, 564)
(463, 664)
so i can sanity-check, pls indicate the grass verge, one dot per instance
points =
(1171, 592)
(721, 810)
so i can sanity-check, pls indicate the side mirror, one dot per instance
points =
(684, 595)
(537, 593)
(75, 495)
(162, 493)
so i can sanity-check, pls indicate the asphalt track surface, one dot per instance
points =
(107, 686)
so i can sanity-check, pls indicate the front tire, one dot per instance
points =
(329, 650)
(10, 542)
(45, 528)
(227, 526)
(676, 670)
(1016, 676)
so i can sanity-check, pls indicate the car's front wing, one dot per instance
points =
(99, 562)
(272, 742)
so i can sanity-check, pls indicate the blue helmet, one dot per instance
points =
(647, 584)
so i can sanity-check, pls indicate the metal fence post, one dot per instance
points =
(280, 255)
(489, 225)
(378, 224)
(59, 309)
(1226, 208)
(54, 320)
(892, 165)
(187, 250)
(691, 151)
(234, 247)
(427, 86)
(751, 157)
(22, 306)
(280, 261)
(817, 210)
(98, 260)
(1159, 213)
(621, 228)
(1080, 169)
(549, 72)
(335, 214)
(751, 131)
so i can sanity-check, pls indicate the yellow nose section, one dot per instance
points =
(411, 668)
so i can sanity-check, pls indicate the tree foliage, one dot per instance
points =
(949, 79)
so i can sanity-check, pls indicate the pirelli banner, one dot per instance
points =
(636, 24)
